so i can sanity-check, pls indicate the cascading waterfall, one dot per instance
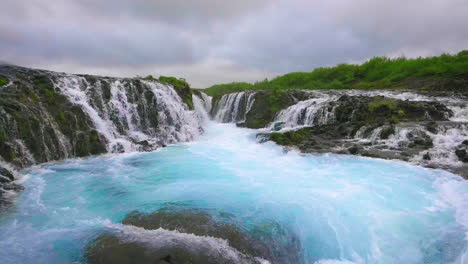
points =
(202, 106)
(176, 123)
(166, 119)
(318, 108)
(234, 107)
(315, 111)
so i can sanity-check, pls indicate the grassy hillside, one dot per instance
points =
(377, 73)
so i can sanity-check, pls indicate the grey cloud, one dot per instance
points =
(308, 34)
(208, 41)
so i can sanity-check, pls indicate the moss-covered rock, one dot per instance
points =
(189, 237)
(266, 106)
(380, 109)
(181, 86)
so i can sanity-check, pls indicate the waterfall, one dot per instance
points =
(132, 113)
(311, 112)
(202, 106)
(234, 107)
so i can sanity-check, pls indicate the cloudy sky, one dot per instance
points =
(213, 41)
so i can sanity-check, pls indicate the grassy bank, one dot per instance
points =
(377, 73)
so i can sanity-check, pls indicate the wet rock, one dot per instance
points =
(379, 109)
(353, 150)
(426, 156)
(419, 139)
(8, 188)
(278, 126)
(39, 122)
(432, 127)
(387, 132)
(191, 236)
(462, 155)
(147, 146)
(7, 174)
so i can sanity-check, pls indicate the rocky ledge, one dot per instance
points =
(375, 126)
(47, 116)
(8, 188)
(192, 236)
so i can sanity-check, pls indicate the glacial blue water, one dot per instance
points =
(343, 209)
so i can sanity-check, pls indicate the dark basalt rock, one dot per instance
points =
(340, 139)
(6, 174)
(462, 154)
(40, 124)
(7, 185)
(267, 104)
(248, 248)
(379, 109)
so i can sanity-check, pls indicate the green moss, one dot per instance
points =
(89, 144)
(3, 80)
(62, 117)
(33, 97)
(50, 96)
(3, 136)
(256, 124)
(290, 137)
(381, 102)
(385, 109)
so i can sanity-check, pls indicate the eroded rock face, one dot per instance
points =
(8, 188)
(254, 109)
(376, 126)
(47, 116)
(191, 236)
(379, 109)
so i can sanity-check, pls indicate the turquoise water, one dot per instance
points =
(343, 209)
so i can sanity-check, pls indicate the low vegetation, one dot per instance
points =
(377, 73)
(3, 80)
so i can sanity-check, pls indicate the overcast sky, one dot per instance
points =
(213, 41)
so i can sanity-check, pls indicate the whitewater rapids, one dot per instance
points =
(343, 209)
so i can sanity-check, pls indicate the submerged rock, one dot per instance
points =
(191, 236)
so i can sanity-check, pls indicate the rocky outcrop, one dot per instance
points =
(8, 187)
(425, 128)
(190, 236)
(47, 116)
(254, 109)
(414, 131)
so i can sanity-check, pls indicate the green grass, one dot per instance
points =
(377, 73)
(3, 80)
(178, 83)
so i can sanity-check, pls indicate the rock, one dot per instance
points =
(427, 156)
(188, 236)
(6, 174)
(7, 186)
(432, 127)
(387, 132)
(40, 122)
(262, 138)
(353, 150)
(462, 155)
(278, 126)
